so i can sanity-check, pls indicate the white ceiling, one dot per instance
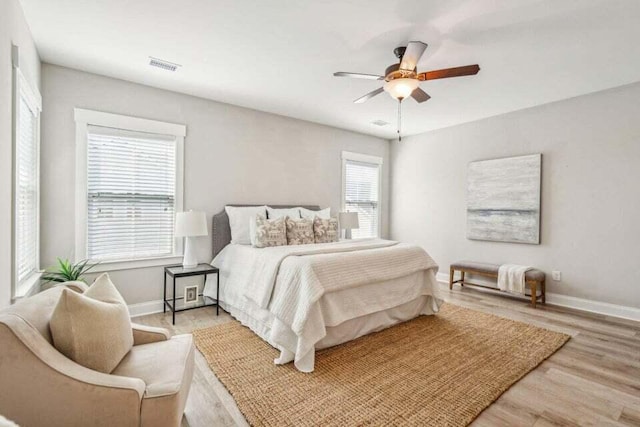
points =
(279, 55)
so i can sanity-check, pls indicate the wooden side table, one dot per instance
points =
(179, 304)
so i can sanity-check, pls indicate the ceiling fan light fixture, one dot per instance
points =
(401, 88)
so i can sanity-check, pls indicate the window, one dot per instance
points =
(27, 106)
(131, 187)
(131, 194)
(361, 178)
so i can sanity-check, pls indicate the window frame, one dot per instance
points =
(83, 119)
(363, 158)
(22, 89)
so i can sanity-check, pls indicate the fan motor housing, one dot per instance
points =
(393, 71)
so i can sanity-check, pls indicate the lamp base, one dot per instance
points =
(347, 233)
(189, 260)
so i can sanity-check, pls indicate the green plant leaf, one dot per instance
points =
(66, 271)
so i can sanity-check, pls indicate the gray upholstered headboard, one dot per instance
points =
(221, 231)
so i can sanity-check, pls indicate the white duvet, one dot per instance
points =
(282, 287)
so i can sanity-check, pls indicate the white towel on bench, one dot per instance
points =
(511, 278)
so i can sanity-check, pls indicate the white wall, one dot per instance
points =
(13, 30)
(590, 191)
(232, 155)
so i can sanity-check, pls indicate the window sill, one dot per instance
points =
(27, 287)
(136, 263)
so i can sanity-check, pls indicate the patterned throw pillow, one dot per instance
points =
(270, 232)
(326, 230)
(300, 231)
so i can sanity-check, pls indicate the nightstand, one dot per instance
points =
(179, 304)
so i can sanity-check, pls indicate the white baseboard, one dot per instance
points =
(144, 308)
(442, 277)
(591, 306)
(625, 312)
(605, 308)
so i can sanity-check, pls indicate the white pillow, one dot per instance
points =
(239, 220)
(252, 228)
(322, 214)
(279, 213)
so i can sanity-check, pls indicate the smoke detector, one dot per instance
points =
(161, 63)
(379, 123)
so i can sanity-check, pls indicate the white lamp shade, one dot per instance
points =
(401, 88)
(348, 220)
(190, 224)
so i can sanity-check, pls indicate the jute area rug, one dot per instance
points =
(440, 370)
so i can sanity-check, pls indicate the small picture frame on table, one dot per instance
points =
(190, 294)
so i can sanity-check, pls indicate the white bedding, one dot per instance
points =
(292, 295)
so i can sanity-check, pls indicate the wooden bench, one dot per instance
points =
(534, 278)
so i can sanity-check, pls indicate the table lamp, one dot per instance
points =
(189, 225)
(348, 221)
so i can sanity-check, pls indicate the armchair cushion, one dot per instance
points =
(161, 365)
(167, 368)
(93, 329)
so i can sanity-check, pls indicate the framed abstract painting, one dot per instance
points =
(503, 199)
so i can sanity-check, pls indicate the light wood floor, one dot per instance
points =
(593, 380)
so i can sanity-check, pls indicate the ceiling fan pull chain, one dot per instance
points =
(399, 119)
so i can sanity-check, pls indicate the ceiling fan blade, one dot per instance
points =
(467, 70)
(412, 55)
(369, 96)
(358, 75)
(420, 95)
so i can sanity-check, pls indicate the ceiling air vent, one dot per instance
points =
(161, 63)
(379, 123)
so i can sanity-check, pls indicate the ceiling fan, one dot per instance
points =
(403, 80)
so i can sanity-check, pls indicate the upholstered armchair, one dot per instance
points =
(41, 387)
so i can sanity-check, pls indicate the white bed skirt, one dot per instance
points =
(348, 314)
(363, 325)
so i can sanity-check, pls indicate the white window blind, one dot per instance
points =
(362, 193)
(131, 194)
(26, 197)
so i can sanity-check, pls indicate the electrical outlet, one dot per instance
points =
(556, 275)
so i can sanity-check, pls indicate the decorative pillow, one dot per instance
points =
(307, 213)
(239, 222)
(273, 213)
(299, 231)
(93, 329)
(326, 230)
(270, 232)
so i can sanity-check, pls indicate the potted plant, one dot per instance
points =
(66, 271)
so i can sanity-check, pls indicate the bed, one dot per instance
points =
(304, 298)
